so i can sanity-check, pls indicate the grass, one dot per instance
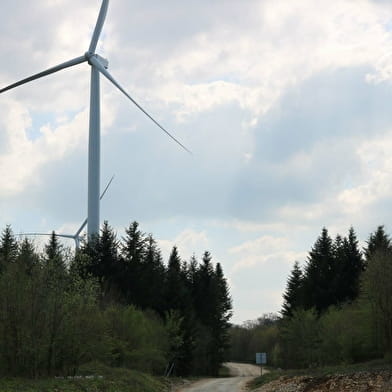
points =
(94, 378)
(376, 365)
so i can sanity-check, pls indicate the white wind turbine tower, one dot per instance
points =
(98, 65)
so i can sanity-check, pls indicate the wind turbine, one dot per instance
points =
(77, 236)
(99, 65)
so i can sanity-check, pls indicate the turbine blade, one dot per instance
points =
(49, 234)
(24, 234)
(65, 236)
(95, 62)
(100, 198)
(98, 26)
(107, 187)
(83, 225)
(49, 71)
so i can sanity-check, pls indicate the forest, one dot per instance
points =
(114, 301)
(337, 308)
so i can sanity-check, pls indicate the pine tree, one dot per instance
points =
(221, 325)
(134, 244)
(108, 262)
(27, 257)
(178, 299)
(8, 247)
(349, 268)
(204, 306)
(177, 295)
(133, 253)
(293, 296)
(53, 252)
(102, 262)
(213, 311)
(320, 271)
(378, 242)
(152, 276)
(56, 283)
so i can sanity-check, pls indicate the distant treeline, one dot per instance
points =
(337, 308)
(113, 301)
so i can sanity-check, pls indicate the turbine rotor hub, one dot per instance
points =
(102, 60)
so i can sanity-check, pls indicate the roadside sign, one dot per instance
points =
(261, 358)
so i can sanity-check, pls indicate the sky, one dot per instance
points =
(285, 105)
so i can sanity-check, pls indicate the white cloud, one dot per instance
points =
(376, 181)
(24, 157)
(262, 251)
(188, 242)
(254, 61)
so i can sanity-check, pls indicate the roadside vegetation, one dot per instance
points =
(112, 306)
(109, 380)
(337, 310)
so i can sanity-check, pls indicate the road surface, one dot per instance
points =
(242, 373)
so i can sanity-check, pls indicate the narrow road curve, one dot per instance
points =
(242, 374)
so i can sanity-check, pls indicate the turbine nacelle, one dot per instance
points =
(104, 62)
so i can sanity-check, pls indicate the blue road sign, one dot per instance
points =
(261, 358)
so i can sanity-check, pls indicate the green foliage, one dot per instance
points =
(346, 334)
(378, 242)
(260, 335)
(8, 247)
(136, 341)
(320, 272)
(351, 318)
(103, 263)
(48, 322)
(340, 335)
(300, 340)
(331, 275)
(377, 285)
(133, 250)
(348, 269)
(293, 296)
(212, 315)
(95, 377)
(175, 332)
(111, 301)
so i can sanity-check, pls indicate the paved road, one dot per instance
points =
(242, 373)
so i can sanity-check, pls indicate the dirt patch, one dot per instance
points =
(380, 381)
(242, 369)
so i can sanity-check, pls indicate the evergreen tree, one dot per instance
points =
(108, 262)
(177, 295)
(56, 284)
(349, 268)
(134, 244)
(133, 253)
(178, 299)
(213, 311)
(152, 277)
(53, 253)
(293, 296)
(102, 262)
(378, 242)
(8, 247)
(221, 324)
(27, 257)
(320, 272)
(203, 290)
